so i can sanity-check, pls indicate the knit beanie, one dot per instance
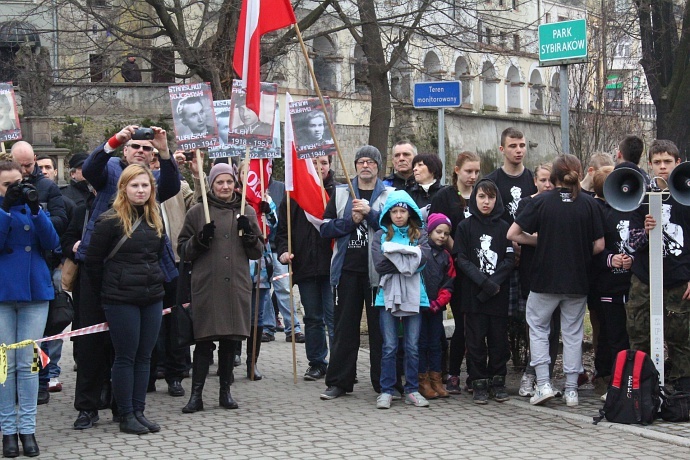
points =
(435, 220)
(217, 170)
(369, 151)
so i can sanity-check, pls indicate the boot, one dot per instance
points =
(425, 387)
(29, 445)
(257, 375)
(498, 388)
(437, 384)
(200, 367)
(153, 427)
(129, 424)
(10, 445)
(480, 391)
(226, 358)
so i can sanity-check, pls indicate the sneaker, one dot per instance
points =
(603, 397)
(54, 386)
(266, 337)
(416, 399)
(332, 392)
(571, 399)
(314, 373)
(384, 401)
(527, 383)
(453, 385)
(279, 325)
(86, 420)
(299, 337)
(542, 394)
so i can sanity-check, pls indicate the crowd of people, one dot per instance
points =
(534, 247)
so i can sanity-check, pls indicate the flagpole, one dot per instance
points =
(244, 184)
(204, 199)
(325, 112)
(263, 194)
(292, 299)
(257, 305)
(323, 189)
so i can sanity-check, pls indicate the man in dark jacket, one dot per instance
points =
(130, 70)
(311, 272)
(78, 188)
(402, 177)
(48, 192)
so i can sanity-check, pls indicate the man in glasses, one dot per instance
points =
(102, 169)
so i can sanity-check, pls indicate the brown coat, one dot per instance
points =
(221, 285)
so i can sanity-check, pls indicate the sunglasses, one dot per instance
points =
(145, 148)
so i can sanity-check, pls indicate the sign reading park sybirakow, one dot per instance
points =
(563, 42)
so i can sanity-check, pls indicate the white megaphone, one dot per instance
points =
(679, 183)
(625, 188)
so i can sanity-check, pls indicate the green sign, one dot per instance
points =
(563, 42)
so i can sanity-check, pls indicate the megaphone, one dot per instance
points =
(624, 189)
(679, 183)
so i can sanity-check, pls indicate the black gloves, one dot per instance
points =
(264, 207)
(13, 196)
(243, 225)
(489, 289)
(31, 198)
(206, 234)
(249, 240)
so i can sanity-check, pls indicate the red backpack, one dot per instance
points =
(634, 392)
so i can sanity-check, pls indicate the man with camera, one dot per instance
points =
(102, 169)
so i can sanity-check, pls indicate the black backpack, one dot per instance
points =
(634, 392)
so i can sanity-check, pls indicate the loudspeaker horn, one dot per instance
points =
(679, 183)
(624, 189)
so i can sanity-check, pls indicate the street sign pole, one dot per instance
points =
(565, 110)
(442, 142)
(656, 285)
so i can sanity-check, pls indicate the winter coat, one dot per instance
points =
(221, 285)
(398, 183)
(133, 275)
(439, 276)
(478, 266)
(50, 197)
(76, 191)
(23, 240)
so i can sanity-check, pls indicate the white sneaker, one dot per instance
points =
(384, 401)
(571, 398)
(542, 394)
(54, 385)
(416, 399)
(527, 385)
(603, 397)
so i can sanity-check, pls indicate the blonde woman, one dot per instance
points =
(123, 263)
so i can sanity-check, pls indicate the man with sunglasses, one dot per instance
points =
(102, 169)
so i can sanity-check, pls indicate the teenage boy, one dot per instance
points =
(663, 158)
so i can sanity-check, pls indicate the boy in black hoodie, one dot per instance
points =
(485, 257)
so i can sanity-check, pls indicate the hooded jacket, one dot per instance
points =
(385, 266)
(485, 258)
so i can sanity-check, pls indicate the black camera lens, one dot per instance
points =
(29, 193)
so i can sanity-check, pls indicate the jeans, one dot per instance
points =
(20, 321)
(317, 298)
(281, 288)
(389, 330)
(430, 337)
(134, 332)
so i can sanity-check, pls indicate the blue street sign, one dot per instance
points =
(437, 94)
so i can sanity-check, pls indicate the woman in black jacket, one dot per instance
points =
(123, 264)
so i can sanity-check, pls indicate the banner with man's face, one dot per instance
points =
(312, 136)
(9, 118)
(193, 117)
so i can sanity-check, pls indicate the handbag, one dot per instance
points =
(69, 274)
(675, 407)
(181, 323)
(60, 314)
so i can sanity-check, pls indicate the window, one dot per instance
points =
(488, 36)
(513, 86)
(622, 50)
(516, 42)
(163, 66)
(515, 4)
(547, 18)
(501, 2)
(98, 3)
(432, 67)
(536, 93)
(97, 67)
(324, 63)
(502, 39)
(360, 70)
(489, 87)
(480, 30)
(562, 18)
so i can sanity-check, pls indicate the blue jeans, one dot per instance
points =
(20, 321)
(430, 342)
(389, 330)
(281, 288)
(134, 332)
(52, 371)
(264, 295)
(317, 297)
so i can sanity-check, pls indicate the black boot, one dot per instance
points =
(498, 388)
(10, 445)
(151, 426)
(257, 375)
(29, 445)
(129, 424)
(226, 357)
(200, 367)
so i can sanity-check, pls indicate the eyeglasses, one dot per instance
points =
(145, 148)
(365, 162)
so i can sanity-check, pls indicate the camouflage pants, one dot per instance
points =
(676, 325)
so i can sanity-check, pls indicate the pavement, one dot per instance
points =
(279, 418)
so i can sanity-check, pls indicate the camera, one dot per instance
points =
(29, 193)
(142, 134)
(189, 155)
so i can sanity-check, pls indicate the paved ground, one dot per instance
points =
(280, 419)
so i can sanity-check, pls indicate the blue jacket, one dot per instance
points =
(23, 268)
(338, 224)
(385, 266)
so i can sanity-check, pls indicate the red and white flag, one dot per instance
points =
(258, 17)
(301, 178)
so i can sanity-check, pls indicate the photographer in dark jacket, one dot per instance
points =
(311, 272)
(78, 188)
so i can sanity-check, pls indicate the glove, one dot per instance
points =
(489, 289)
(264, 207)
(243, 225)
(33, 204)
(249, 240)
(206, 234)
(13, 196)
(434, 307)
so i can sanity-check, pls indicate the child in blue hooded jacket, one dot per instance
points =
(400, 251)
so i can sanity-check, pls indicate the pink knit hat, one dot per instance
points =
(435, 220)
